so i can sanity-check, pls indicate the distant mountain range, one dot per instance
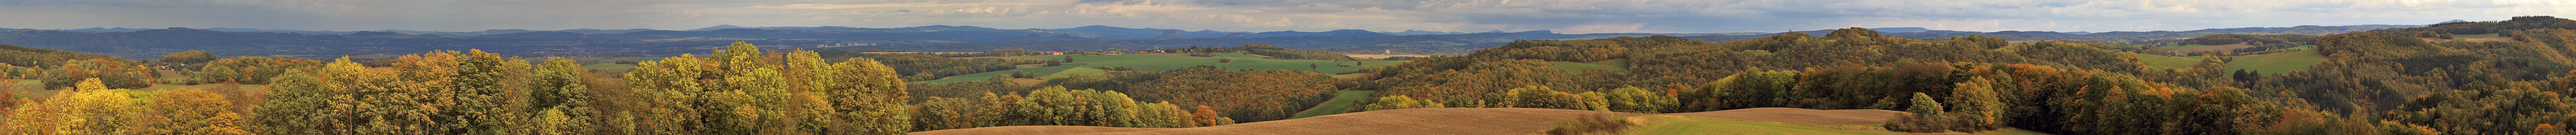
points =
(245, 41)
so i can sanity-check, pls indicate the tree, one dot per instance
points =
(189, 111)
(188, 57)
(558, 88)
(1975, 104)
(298, 104)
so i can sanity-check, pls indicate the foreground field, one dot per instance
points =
(1509, 121)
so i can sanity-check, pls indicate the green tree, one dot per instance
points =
(189, 57)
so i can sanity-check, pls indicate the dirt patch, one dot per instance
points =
(1384, 56)
(2219, 48)
(1033, 130)
(1443, 121)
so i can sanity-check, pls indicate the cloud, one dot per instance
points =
(1563, 16)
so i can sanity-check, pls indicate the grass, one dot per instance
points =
(2488, 35)
(1140, 62)
(609, 67)
(2276, 63)
(2168, 62)
(989, 75)
(1676, 125)
(1578, 67)
(2189, 46)
(1342, 101)
(1075, 71)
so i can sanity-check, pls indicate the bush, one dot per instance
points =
(1915, 124)
(1599, 123)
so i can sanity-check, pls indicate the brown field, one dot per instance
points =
(1384, 56)
(2228, 47)
(921, 52)
(2023, 42)
(1034, 130)
(1441, 121)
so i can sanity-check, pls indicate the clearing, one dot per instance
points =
(2167, 62)
(2276, 63)
(1342, 101)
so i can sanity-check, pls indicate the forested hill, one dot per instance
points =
(2395, 81)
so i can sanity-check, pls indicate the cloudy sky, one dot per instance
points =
(1563, 16)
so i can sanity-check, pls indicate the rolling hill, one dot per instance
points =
(1504, 121)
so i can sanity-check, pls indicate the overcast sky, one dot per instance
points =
(1562, 16)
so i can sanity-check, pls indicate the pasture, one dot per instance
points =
(1342, 101)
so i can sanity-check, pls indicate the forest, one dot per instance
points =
(2387, 81)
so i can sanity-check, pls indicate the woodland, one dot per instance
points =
(2385, 81)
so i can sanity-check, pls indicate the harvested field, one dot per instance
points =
(2221, 48)
(920, 52)
(1033, 130)
(1384, 56)
(1470, 121)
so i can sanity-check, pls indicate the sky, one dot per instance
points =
(1561, 16)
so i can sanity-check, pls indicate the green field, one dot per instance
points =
(2488, 35)
(609, 67)
(989, 75)
(1075, 71)
(2182, 47)
(1140, 62)
(2168, 62)
(1578, 67)
(1342, 101)
(1679, 125)
(2276, 63)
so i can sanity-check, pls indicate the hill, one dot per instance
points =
(1473, 121)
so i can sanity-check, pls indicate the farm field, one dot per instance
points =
(1342, 101)
(989, 75)
(1362, 64)
(2276, 62)
(1578, 67)
(1075, 71)
(2168, 62)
